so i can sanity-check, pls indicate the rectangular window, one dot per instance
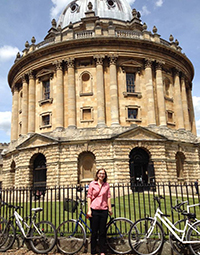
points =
(130, 82)
(87, 114)
(46, 120)
(46, 89)
(132, 113)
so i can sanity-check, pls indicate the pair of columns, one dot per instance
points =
(180, 98)
(28, 108)
(101, 121)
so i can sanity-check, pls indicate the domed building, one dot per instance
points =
(101, 91)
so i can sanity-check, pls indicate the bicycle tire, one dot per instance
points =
(117, 235)
(138, 241)
(43, 239)
(178, 247)
(192, 235)
(7, 235)
(71, 236)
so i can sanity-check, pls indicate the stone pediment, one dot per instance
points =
(45, 73)
(140, 133)
(131, 63)
(37, 140)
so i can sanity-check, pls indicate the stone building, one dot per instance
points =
(3, 146)
(101, 90)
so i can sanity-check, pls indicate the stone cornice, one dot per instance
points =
(138, 48)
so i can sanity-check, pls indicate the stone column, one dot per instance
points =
(137, 81)
(150, 93)
(191, 107)
(15, 110)
(160, 95)
(100, 92)
(185, 105)
(24, 106)
(59, 96)
(71, 94)
(114, 104)
(31, 104)
(178, 102)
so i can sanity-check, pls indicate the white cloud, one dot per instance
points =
(159, 3)
(145, 11)
(131, 1)
(59, 5)
(196, 103)
(8, 52)
(5, 122)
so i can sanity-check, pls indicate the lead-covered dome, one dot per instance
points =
(112, 9)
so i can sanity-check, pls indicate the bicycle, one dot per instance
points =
(177, 246)
(41, 236)
(146, 235)
(72, 235)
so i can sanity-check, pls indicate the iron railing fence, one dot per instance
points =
(131, 201)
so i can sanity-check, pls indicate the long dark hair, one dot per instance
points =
(105, 178)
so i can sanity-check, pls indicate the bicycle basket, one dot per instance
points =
(70, 205)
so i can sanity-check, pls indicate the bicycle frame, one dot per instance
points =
(82, 221)
(169, 225)
(20, 220)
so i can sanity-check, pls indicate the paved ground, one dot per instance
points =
(25, 251)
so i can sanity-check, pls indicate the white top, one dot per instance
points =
(113, 9)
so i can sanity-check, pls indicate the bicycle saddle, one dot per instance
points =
(39, 209)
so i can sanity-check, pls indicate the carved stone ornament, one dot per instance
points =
(99, 59)
(30, 75)
(113, 59)
(148, 63)
(70, 62)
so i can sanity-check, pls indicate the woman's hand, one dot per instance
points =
(89, 213)
(110, 212)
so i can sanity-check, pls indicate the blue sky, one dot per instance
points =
(22, 19)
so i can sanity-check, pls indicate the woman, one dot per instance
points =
(99, 204)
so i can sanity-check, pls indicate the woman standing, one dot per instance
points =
(99, 205)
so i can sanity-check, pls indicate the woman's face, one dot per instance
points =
(101, 175)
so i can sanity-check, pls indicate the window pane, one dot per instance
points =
(130, 82)
(132, 113)
(46, 89)
(46, 120)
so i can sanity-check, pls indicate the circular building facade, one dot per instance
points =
(101, 91)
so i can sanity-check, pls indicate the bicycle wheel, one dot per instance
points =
(176, 245)
(117, 235)
(43, 237)
(193, 235)
(71, 236)
(7, 235)
(146, 236)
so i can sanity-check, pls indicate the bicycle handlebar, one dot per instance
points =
(177, 207)
(12, 206)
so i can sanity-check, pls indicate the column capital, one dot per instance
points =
(30, 74)
(99, 59)
(176, 72)
(70, 62)
(148, 62)
(58, 64)
(159, 65)
(113, 59)
(23, 78)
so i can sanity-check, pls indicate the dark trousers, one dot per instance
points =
(98, 225)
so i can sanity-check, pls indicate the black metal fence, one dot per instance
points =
(130, 201)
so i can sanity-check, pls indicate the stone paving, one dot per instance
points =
(24, 251)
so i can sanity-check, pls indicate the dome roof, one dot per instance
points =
(111, 9)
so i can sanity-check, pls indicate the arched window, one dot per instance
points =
(39, 174)
(12, 173)
(167, 87)
(86, 84)
(180, 158)
(141, 168)
(86, 167)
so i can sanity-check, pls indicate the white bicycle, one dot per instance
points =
(41, 236)
(146, 236)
